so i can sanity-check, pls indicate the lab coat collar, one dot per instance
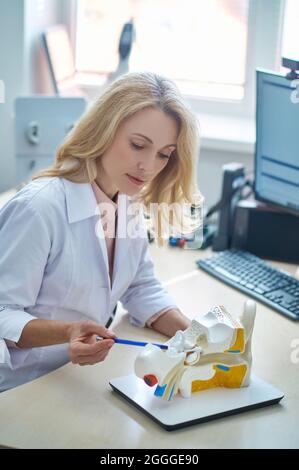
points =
(80, 201)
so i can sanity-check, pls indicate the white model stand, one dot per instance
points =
(203, 406)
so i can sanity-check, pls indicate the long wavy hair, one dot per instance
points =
(175, 186)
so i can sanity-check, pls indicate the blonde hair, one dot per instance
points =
(175, 185)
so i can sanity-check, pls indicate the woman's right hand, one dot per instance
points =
(84, 349)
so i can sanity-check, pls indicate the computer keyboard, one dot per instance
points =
(249, 274)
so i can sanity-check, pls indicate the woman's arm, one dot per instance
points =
(38, 333)
(84, 349)
(26, 242)
(170, 322)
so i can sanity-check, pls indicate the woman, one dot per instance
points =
(61, 271)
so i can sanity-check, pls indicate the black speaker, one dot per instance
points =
(266, 232)
(233, 178)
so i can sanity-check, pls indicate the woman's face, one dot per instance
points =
(141, 149)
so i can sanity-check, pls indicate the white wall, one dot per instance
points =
(39, 15)
(22, 65)
(11, 72)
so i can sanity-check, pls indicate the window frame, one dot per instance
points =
(264, 44)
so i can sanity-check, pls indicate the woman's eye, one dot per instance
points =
(135, 146)
(139, 147)
(162, 155)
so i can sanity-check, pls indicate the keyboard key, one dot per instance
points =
(227, 274)
(259, 291)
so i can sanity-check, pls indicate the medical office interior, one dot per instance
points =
(236, 63)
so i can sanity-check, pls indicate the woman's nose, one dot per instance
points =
(147, 164)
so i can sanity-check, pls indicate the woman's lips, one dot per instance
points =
(134, 180)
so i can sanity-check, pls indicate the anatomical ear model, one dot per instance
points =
(215, 351)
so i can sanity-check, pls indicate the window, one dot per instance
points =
(290, 42)
(99, 24)
(171, 39)
(211, 48)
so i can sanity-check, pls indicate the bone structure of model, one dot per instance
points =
(215, 351)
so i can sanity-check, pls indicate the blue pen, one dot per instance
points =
(133, 343)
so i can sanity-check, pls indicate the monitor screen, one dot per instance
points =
(277, 137)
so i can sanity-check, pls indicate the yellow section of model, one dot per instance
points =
(225, 376)
(239, 344)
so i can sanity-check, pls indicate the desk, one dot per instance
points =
(74, 407)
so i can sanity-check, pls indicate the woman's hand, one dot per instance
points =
(84, 349)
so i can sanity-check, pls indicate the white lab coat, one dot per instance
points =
(54, 266)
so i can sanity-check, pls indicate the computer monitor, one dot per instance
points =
(277, 141)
